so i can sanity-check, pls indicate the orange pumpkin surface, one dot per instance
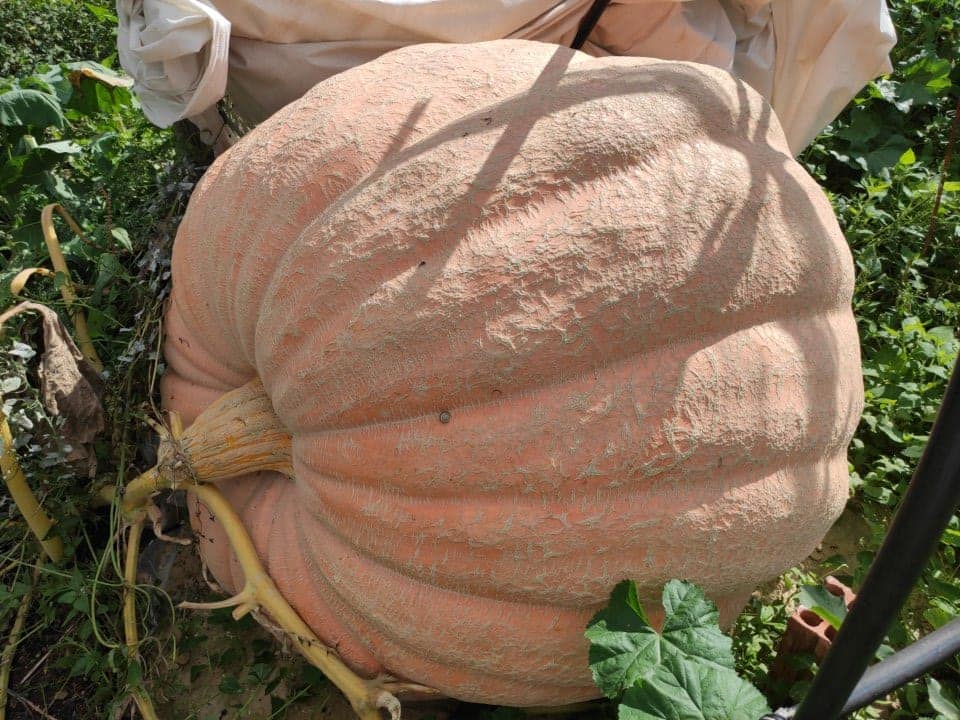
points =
(535, 322)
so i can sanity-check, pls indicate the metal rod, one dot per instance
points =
(900, 668)
(924, 513)
(589, 22)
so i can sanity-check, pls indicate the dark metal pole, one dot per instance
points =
(900, 668)
(924, 513)
(589, 22)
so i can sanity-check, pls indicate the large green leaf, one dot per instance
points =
(625, 648)
(684, 671)
(691, 625)
(30, 108)
(684, 690)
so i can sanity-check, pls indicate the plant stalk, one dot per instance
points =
(66, 289)
(236, 435)
(37, 520)
(6, 660)
(140, 697)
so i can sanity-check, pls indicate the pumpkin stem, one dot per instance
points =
(237, 434)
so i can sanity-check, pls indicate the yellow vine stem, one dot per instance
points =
(260, 593)
(140, 697)
(37, 520)
(66, 289)
(238, 434)
(6, 660)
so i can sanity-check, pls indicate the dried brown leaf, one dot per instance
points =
(71, 388)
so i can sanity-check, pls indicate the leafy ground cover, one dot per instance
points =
(73, 134)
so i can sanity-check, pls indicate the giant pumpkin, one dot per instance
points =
(534, 323)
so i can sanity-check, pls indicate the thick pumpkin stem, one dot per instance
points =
(238, 434)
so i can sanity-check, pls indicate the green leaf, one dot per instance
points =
(101, 14)
(824, 603)
(123, 238)
(109, 268)
(692, 691)
(103, 150)
(685, 671)
(229, 685)
(951, 537)
(691, 624)
(943, 701)
(30, 108)
(623, 645)
(59, 188)
(61, 147)
(886, 155)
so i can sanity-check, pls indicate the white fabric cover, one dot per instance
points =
(808, 57)
(176, 51)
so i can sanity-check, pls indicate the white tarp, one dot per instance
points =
(177, 53)
(808, 57)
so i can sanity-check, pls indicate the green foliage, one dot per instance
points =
(37, 32)
(683, 672)
(71, 132)
(905, 111)
(944, 701)
(69, 137)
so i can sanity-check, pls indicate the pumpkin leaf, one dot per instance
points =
(683, 672)
(681, 690)
(823, 603)
(623, 645)
(30, 108)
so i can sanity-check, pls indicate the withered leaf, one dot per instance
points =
(71, 388)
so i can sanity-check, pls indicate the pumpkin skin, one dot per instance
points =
(536, 323)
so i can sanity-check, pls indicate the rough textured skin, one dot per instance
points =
(632, 302)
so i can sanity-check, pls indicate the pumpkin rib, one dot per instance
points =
(540, 641)
(230, 576)
(562, 375)
(270, 512)
(456, 681)
(420, 642)
(261, 511)
(327, 326)
(495, 112)
(193, 353)
(457, 550)
(291, 573)
(380, 176)
(564, 378)
(304, 358)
